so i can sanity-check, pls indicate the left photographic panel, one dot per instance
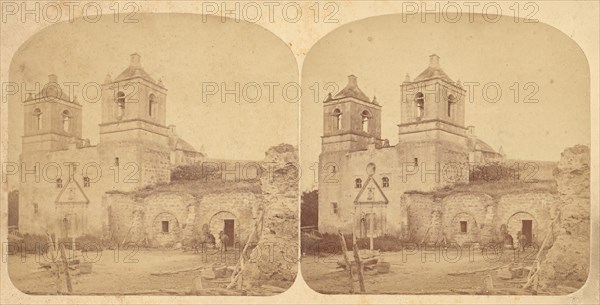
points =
(153, 158)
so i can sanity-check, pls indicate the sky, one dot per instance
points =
(381, 50)
(185, 53)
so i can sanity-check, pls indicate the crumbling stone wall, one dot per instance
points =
(140, 220)
(471, 208)
(421, 211)
(567, 261)
(275, 259)
(172, 207)
(213, 208)
(537, 206)
(482, 213)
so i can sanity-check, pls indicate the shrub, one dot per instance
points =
(34, 243)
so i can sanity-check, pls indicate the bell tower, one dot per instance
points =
(134, 106)
(52, 119)
(133, 135)
(432, 101)
(350, 119)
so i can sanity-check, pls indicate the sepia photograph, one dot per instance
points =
(452, 159)
(299, 152)
(143, 160)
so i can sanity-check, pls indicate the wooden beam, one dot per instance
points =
(361, 279)
(348, 265)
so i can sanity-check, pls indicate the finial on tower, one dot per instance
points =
(352, 81)
(407, 78)
(329, 97)
(434, 61)
(136, 60)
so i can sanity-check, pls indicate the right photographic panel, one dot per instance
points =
(448, 158)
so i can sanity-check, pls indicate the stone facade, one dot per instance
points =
(164, 219)
(65, 179)
(466, 218)
(433, 151)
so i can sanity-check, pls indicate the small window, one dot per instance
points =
(358, 183)
(334, 207)
(59, 183)
(420, 103)
(35, 208)
(333, 169)
(151, 104)
(120, 104)
(338, 119)
(165, 226)
(117, 161)
(365, 121)
(66, 118)
(385, 181)
(37, 116)
(416, 161)
(463, 227)
(451, 102)
(86, 181)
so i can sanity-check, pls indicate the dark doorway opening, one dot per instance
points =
(229, 229)
(527, 229)
(165, 226)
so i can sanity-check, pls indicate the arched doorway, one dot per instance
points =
(522, 222)
(224, 221)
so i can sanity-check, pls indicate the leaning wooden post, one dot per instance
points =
(52, 252)
(66, 266)
(371, 229)
(361, 279)
(348, 265)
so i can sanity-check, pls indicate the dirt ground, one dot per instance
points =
(121, 272)
(410, 275)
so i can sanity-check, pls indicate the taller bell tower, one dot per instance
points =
(432, 102)
(133, 135)
(134, 106)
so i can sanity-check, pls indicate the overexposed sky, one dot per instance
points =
(185, 52)
(381, 50)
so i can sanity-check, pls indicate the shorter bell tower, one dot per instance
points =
(52, 119)
(350, 119)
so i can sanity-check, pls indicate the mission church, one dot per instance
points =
(136, 149)
(363, 178)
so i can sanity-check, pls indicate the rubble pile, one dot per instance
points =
(567, 261)
(274, 260)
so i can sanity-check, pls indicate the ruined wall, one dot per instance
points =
(482, 216)
(213, 209)
(421, 210)
(472, 209)
(535, 206)
(275, 259)
(165, 219)
(567, 262)
(174, 208)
